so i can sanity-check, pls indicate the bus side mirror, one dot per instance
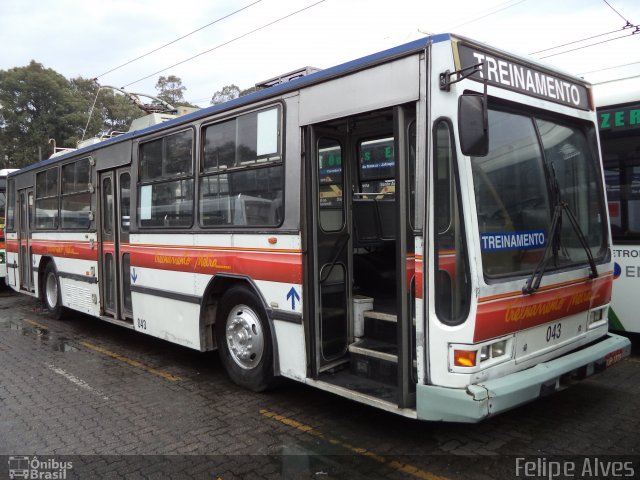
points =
(473, 125)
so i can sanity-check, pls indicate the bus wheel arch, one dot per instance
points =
(215, 310)
(49, 287)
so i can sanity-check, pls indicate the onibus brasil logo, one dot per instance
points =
(34, 468)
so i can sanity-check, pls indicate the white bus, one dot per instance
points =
(619, 122)
(387, 229)
(3, 196)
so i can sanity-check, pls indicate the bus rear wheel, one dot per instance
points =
(51, 296)
(244, 339)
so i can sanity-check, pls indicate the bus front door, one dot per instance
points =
(114, 265)
(25, 223)
(362, 254)
(331, 242)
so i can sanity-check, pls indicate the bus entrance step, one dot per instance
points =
(380, 326)
(375, 360)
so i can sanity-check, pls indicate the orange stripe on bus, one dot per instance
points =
(65, 249)
(541, 289)
(505, 316)
(260, 264)
(272, 266)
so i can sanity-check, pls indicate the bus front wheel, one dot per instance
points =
(243, 338)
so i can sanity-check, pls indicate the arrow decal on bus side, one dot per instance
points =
(293, 295)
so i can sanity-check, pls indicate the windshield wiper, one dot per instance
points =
(533, 283)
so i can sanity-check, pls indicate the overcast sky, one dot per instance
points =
(90, 37)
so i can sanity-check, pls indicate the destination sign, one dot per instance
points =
(623, 118)
(524, 78)
(501, 241)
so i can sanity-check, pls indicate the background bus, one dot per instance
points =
(619, 122)
(3, 197)
(387, 230)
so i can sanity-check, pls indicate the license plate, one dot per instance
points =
(614, 357)
(543, 338)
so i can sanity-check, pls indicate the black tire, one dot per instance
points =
(51, 295)
(244, 339)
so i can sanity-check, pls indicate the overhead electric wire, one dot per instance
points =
(616, 80)
(226, 43)
(586, 46)
(177, 39)
(575, 41)
(487, 15)
(619, 14)
(627, 26)
(609, 68)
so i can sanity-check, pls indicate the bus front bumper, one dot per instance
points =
(482, 400)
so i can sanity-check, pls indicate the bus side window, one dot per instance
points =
(452, 282)
(165, 192)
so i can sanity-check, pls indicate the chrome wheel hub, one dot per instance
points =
(244, 337)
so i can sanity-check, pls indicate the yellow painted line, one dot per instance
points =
(133, 363)
(35, 324)
(634, 360)
(394, 464)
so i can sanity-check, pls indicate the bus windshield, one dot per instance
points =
(516, 198)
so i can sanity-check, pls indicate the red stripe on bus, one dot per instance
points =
(505, 316)
(419, 276)
(259, 265)
(12, 246)
(64, 249)
(411, 269)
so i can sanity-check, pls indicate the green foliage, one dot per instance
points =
(228, 92)
(113, 112)
(38, 104)
(249, 90)
(171, 90)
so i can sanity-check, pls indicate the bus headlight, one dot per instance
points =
(498, 349)
(472, 358)
(597, 318)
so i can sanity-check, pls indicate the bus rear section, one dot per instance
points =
(619, 123)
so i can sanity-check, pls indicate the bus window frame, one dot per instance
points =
(11, 187)
(88, 190)
(588, 128)
(372, 138)
(455, 184)
(200, 172)
(58, 169)
(158, 181)
(624, 165)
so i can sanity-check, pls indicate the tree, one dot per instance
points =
(228, 92)
(171, 90)
(36, 104)
(112, 111)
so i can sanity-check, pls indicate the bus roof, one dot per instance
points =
(616, 92)
(298, 83)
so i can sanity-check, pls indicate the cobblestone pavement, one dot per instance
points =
(116, 403)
